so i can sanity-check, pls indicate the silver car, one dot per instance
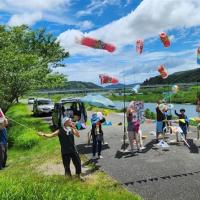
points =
(42, 106)
(31, 100)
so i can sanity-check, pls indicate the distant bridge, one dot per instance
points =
(128, 89)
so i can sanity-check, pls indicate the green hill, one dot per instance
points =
(80, 85)
(188, 76)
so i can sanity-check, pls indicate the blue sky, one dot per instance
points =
(120, 22)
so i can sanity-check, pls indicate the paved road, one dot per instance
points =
(154, 174)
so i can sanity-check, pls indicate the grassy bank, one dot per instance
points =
(22, 179)
(188, 95)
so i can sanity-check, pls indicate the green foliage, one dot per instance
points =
(20, 136)
(26, 57)
(37, 187)
(27, 141)
(149, 114)
(80, 85)
(153, 95)
(188, 76)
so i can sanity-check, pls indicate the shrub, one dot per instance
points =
(27, 140)
(22, 127)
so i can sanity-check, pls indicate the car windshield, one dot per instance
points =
(31, 98)
(44, 102)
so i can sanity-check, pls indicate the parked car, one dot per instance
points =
(42, 106)
(31, 100)
(71, 107)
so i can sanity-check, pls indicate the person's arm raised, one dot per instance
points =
(49, 135)
(75, 132)
(176, 113)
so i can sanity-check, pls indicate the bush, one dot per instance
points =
(27, 141)
(149, 114)
(21, 130)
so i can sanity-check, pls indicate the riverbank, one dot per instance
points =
(179, 98)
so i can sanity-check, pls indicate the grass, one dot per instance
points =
(188, 95)
(22, 180)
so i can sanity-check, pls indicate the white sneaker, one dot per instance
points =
(100, 157)
(93, 157)
(142, 148)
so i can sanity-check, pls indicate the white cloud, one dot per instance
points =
(135, 70)
(33, 5)
(31, 11)
(97, 6)
(26, 18)
(85, 25)
(147, 20)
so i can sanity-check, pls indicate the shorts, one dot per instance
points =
(159, 127)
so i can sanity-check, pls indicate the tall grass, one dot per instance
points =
(23, 127)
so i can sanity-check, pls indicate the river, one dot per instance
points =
(190, 109)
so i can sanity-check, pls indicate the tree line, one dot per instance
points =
(27, 58)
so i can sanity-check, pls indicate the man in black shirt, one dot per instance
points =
(68, 150)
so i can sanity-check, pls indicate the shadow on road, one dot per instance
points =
(193, 147)
(85, 149)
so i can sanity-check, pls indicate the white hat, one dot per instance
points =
(64, 120)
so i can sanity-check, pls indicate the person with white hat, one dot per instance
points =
(68, 149)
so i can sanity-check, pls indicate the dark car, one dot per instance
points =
(71, 107)
(42, 106)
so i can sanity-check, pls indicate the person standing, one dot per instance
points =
(183, 122)
(160, 117)
(97, 135)
(3, 140)
(133, 128)
(68, 150)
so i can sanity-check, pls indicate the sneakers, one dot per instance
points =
(142, 148)
(100, 156)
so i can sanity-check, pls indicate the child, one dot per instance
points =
(183, 123)
(160, 117)
(97, 134)
(133, 128)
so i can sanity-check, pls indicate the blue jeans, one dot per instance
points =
(97, 144)
(184, 129)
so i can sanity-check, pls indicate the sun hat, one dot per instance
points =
(94, 118)
(100, 115)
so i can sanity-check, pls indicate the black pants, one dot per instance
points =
(3, 155)
(96, 145)
(76, 161)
